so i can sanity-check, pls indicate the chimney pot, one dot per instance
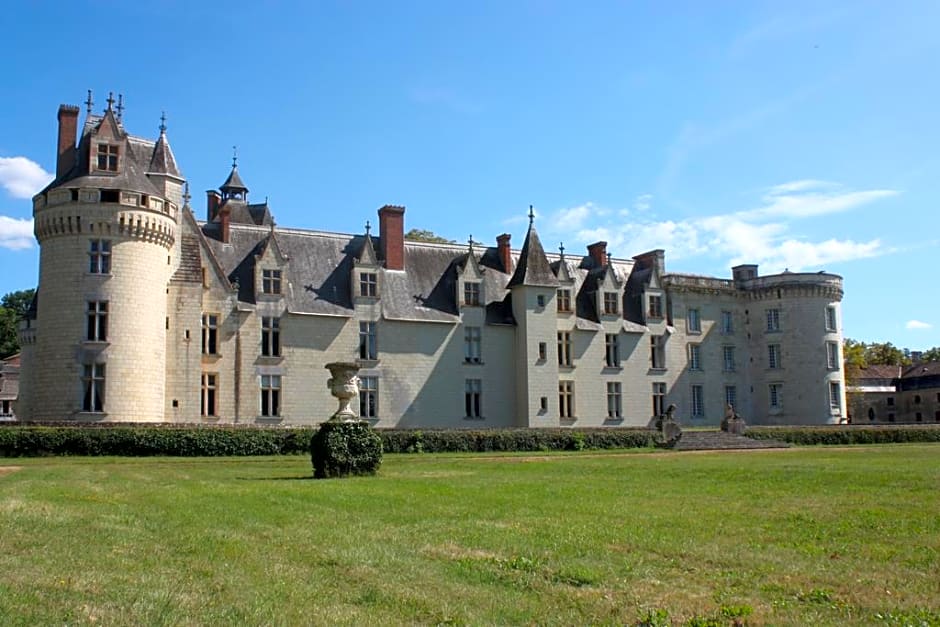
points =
(68, 130)
(598, 252)
(505, 252)
(392, 236)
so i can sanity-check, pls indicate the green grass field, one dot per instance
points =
(802, 536)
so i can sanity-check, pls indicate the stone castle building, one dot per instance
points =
(145, 313)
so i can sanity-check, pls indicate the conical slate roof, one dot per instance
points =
(234, 182)
(533, 267)
(163, 161)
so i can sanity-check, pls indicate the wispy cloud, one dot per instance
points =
(15, 233)
(22, 177)
(917, 325)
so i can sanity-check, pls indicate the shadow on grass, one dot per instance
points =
(301, 478)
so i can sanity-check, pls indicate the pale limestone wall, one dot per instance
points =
(183, 350)
(536, 378)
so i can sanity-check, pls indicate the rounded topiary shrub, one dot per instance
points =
(343, 449)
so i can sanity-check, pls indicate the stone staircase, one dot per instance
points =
(722, 441)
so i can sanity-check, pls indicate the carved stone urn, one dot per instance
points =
(344, 385)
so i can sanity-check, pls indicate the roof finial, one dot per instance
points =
(368, 228)
(120, 107)
(234, 156)
(162, 122)
(531, 215)
(471, 243)
(89, 104)
(609, 257)
(561, 249)
(186, 196)
(110, 100)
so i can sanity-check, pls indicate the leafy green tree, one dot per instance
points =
(13, 308)
(422, 235)
(887, 354)
(932, 354)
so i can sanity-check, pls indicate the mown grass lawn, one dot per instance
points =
(803, 536)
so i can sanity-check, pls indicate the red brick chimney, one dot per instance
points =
(505, 253)
(213, 198)
(392, 236)
(225, 219)
(68, 130)
(598, 252)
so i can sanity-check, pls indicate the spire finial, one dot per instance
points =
(609, 257)
(120, 107)
(561, 249)
(368, 228)
(186, 196)
(234, 156)
(471, 243)
(89, 104)
(162, 122)
(531, 215)
(110, 100)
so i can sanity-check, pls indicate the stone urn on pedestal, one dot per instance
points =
(344, 385)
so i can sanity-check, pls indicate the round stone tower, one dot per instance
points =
(107, 230)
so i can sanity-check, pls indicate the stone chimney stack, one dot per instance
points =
(68, 131)
(213, 198)
(598, 252)
(652, 259)
(225, 220)
(392, 236)
(505, 252)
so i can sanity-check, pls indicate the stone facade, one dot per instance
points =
(231, 319)
(896, 394)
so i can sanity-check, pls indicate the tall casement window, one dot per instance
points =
(107, 158)
(835, 395)
(695, 357)
(773, 320)
(658, 352)
(210, 387)
(93, 384)
(693, 321)
(727, 322)
(728, 361)
(832, 355)
(656, 307)
(566, 399)
(612, 350)
(471, 293)
(368, 284)
(698, 401)
(773, 356)
(271, 281)
(610, 303)
(96, 329)
(775, 393)
(472, 397)
(99, 256)
(210, 334)
(270, 336)
(472, 344)
(368, 348)
(614, 400)
(564, 348)
(369, 397)
(659, 399)
(271, 395)
(831, 318)
(563, 300)
(731, 395)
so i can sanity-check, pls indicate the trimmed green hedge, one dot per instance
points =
(228, 440)
(848, 434)
(345, 449)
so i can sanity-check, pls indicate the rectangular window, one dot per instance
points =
(727, 322)
(473, 390)
(835, 395)
(612, 350)
(564, 348)
(210, 334)
(368, 284)
(693, 321)
(368, 348)
(97, 327)
(563, 300)
(695, 357)
(369, 397)
(472, 344)
(270, 336)
(776, 395)
(614, 400)
(271, 395)
(543, 351)
(773, 320)
(659, 399)
(728, 361)
(773, 356)
(831, 318)
(107, 157)
(658, 352)
(93, 383)
(698, 401)
(610, 303)
(471, 293)
(99, 256)
(731, 396)
(890, 401)
(209, 404)
(566, 399)
(832, 355)
(656, 307)
(271, 281)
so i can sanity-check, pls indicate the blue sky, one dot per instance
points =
(796, 135)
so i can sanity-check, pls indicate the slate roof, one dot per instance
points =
(532, 267)
(163, 161)
(233, 182)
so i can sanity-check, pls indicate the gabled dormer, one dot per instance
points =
(648, 271)
(271, 265)
(566, 295)
(470, 292)
(108, 145)
(609, 293)
(365, 277)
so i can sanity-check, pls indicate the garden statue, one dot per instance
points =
(732, 422)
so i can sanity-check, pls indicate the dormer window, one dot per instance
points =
(563, 299)
(271, 281)
(471, 293)
(107, 157)
(368, 284)
(610, 303)
(656, 307)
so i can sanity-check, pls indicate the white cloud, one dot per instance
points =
(643, 202)
(15, 233)
(806, 198)
(21, 177)
(917, 324)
